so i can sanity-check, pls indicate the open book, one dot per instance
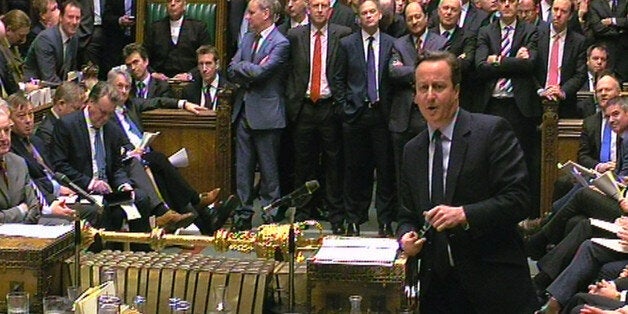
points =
(613, 244)
(607, 183)
(357, 251)
(147, 139)
(581, 174)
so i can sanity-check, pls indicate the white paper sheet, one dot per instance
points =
(34, 231)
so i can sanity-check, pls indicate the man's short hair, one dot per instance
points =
(619, 100)
(134, 47)
(16, 19)
(450, 59)
(41, 6)
(208, 49)
(114, 72)
(598, 47)
(17, 101)
(67, 3)
(273, 6)
(69, 92)
(104, 89)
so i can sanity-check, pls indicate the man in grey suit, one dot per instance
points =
(259, 109)
(18, 202)
(54, 51)
(313, 105)
(405, 119)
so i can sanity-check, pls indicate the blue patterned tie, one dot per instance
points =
(99, 151)
(371, 79)
(605, 151)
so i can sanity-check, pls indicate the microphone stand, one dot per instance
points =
(77, 250)
(291, 258)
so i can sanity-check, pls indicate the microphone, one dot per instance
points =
(307, 189)
(67, 182)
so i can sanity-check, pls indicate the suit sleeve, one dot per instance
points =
(587, 156)
(245, 72)
(594, 19)
(46, 61)
(509, 66)
(14, 214)
(573, 84)
(508, 179)
(403, 73)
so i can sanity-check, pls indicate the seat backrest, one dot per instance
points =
(205, 12)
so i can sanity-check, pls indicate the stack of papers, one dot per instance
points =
(34, 231)
(357, 251)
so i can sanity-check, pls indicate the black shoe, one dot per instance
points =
(243, 224)
(535, 245)
(385, 231)
(220, 213)
(353, 230)
(338, 229)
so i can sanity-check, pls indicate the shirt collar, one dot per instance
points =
(214, 83)
(323, 30)
(561, 34)
(513, 24)
(465, 7)
(263, 34)
(64, 36)
(305, 21)
(87, 119)
(366, 35)
(176, 23)
(447, 130)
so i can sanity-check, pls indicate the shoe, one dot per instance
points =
(338, 228)
(529, 226)
(221, 212)
(171, 220)
(353, 230)
(385, 231)
(242, 224)
(551, 307)
(535, 245)
(207, 198)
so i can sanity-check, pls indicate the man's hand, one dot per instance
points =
(492, 59)
(100, 187)
(31, 86)
(59, 208)
(183, 77)
(159, 76)
(622, 234)
(411, 244)
(605, 288)
(523, 53)
(126, 20)
(444, 217)
(624, 272)
(623, 205)
(397, 63)
(588, 309)
(605, 166)
(607, 21)
(194, 108)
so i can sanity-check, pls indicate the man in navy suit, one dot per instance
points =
(206, 81)
(313, 101)
(259, 107)
(144, 84)
(405, 119)
(609, 22)
(505, 57)
(54, 51)
(560, 79)
(465, 177)
(366, 138)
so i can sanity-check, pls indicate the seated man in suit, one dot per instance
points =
(597, 63)
(206, 81)
(87, 147)
(174, 189)
(35, 153)
(171, 41)
(18, 203)
(144, 84)
(53, 52)
(47, 15)
(67, 99)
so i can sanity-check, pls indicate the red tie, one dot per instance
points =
(315, 86)
(553, 63)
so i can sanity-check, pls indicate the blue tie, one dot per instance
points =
(132, 126)
(605, 151)
(371, 80)
(99, 149)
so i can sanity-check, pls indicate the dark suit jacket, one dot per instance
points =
(353, 62)
(521, 71)
(36, 28)
(402, 78)
(487, 176)
(45, 57)
(45, 128)
(573, 69)
(35, 170)
(599, 10)
(192, 91)
(474, 19)
(156, 88)
(86, 27)
(589, 150)
(115, 34)
(236, 14)
(397, 28)
(343, 15)
(262, 85)
(300, 66)
(72, 153)
(171, 59)
(8, 79)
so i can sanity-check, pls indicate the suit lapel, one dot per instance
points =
(496, 35)
(151, 88)
(423, 161)
(332, 40)
(384, 48)
(459, 146)
(543, 44)
(267, 45)
(517, 38)
(84, 136)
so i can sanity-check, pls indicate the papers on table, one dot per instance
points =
(180, 158)
(357, 251)
(34, 231)
(147, 139)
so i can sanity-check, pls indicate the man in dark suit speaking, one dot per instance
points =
(472, 258)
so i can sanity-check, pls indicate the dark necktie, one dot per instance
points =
(605, 151)
(438, 190)
(207, 95)
(3, 171)
(255, 46)
(446, 34)
(371, 79)
(140, 90)
(99, 152)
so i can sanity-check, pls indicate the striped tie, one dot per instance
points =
(39, 195)
(505, 84)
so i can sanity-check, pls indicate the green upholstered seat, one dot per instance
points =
(205, 12)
